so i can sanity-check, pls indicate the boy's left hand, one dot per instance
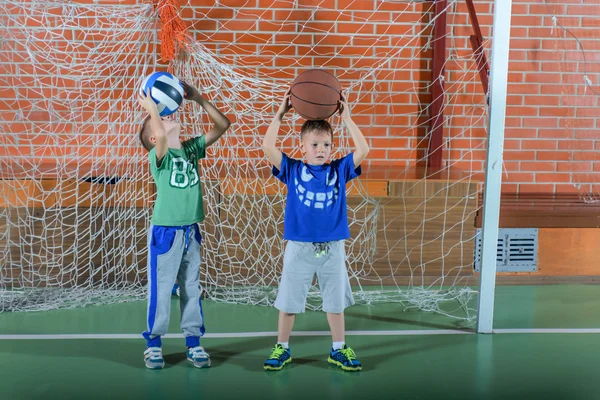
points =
(147, 103)
(344, 108)
(190, 92)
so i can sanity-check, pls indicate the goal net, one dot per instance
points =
(76, 192)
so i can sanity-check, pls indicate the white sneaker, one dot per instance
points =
(153, 358)
(198, 357)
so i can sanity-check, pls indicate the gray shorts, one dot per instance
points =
(301, 261)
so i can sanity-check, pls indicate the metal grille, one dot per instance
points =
(517, 250)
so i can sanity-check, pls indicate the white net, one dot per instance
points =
(71, 232)
(76, 190)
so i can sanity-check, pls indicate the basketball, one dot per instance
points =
(165, 90)
(315, 94)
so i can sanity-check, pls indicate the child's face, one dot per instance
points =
(316, 147)
(172, 127)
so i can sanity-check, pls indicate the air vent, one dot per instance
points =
(517, 250)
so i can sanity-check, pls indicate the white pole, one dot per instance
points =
(493, 173)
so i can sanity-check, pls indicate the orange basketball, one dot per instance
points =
(316, 94)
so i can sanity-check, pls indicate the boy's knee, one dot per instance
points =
(335, 310)
(288, 314)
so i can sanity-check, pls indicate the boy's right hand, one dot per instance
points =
(285, 105)
(146, 101)
(190, 92)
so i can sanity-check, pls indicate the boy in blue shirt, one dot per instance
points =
(315, 225)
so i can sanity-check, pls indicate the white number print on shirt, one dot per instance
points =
(182, 172)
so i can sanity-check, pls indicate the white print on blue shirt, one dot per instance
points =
(316, 209)
(316, 199)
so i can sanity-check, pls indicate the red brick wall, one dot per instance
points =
(553, 122)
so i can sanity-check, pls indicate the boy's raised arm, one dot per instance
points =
(220, 121)
(361, 147)
(270, 141)
(162, 144)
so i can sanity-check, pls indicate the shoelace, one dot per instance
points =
(277, 351)
(349, 353)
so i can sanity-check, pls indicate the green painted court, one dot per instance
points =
(405, 354)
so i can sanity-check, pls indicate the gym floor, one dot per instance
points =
(544, 346)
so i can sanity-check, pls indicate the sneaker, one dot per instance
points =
(345, 358)
(198, 357)
(279, 357)
(153, 358)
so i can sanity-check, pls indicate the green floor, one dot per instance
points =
(469, 366)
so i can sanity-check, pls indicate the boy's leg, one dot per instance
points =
(297, 275)
(164, 257)
(296, 278)
(333, 280)
(192, 319)
(281, 353)
(285, 326)
(337, 326)
(337, 296)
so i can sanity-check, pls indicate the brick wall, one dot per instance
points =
(553, 121)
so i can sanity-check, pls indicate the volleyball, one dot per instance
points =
(165, 90)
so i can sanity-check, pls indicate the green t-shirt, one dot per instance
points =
(179, 193)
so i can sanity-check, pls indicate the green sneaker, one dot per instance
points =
(345, 358)
(279, 357)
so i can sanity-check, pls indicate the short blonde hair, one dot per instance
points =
(145, 134)
(316, 126)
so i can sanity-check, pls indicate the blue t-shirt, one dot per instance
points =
(315, 209)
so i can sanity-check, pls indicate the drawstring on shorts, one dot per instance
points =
(321, 249)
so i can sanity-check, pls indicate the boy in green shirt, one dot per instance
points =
(174, 237)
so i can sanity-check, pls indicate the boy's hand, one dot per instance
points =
(147, 102)
(190, 92)
(285, 105)
(344, 108)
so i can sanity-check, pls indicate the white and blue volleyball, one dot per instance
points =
(165, 90)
